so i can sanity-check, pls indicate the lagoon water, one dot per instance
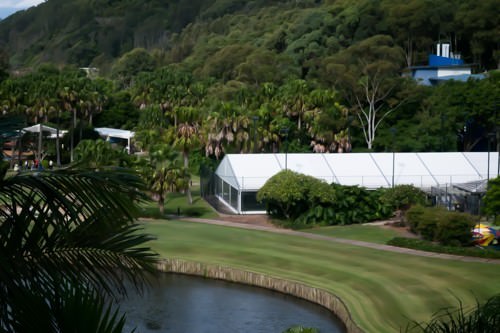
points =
(186, 304)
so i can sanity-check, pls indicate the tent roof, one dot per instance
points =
(44, 128)
(371, 170)
(477, 186)
(114, 133)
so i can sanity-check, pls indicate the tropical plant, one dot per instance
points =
(483, 318)
(165, 173)
(492, 198)
(301, 329)
(67, 238)
(95, 154)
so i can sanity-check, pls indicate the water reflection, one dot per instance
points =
(186, 304)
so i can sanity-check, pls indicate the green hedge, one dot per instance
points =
(300, 201)
(419, 244)
(440, 225)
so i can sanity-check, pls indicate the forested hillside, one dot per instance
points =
(219, 76)
(227, 37)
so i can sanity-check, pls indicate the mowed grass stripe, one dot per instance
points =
(357, 232)
(383, 290)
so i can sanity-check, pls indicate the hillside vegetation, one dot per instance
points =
(227, 38)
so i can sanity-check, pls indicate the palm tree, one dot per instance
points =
(162, 172)
(67, 238)
(187, 137)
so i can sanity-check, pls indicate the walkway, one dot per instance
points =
(344, 241)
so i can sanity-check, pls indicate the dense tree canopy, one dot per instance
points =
(94, 33)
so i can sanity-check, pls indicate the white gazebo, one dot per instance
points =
(240, 176)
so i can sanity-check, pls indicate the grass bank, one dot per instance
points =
(382, 290)
(366, 233)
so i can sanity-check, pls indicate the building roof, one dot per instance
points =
(43, 128)
(371, 170)
(114, 133)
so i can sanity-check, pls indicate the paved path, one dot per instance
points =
(381, 247)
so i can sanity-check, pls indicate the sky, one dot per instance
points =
(8, 7)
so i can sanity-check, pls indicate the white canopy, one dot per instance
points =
(114, 133)
(43, 128)
(249, 172)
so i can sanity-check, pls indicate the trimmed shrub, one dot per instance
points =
(414, 216)
(402, 197)
(438, 224)
(455, 229)
(287, 194)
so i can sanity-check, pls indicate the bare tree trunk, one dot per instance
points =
(161, 204)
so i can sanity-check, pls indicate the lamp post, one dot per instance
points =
(284, 132)
(255, 119)
(490, 136)
(393, 132)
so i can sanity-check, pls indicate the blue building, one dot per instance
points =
(443, 66)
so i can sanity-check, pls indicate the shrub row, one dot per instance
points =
(419, 244)
(304, 201)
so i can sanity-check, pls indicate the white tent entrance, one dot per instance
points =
(239, 177)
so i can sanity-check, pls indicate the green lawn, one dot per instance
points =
(383, 290)
(365, 233)
(177, 202)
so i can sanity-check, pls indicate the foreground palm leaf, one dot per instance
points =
(68, 228)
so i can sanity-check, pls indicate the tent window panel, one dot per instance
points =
(234, 198)
(249, 202)
(225, 191)
(218, 186)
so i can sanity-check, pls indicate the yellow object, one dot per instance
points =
(484, 235)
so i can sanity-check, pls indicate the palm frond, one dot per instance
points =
(72, 226)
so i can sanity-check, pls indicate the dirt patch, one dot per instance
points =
(395, 225)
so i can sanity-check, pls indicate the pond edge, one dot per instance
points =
(300, 290)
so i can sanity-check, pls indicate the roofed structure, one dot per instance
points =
(240, 176)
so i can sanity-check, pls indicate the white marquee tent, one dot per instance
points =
(240, 176)
(108, 133)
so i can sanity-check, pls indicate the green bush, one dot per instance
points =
(306, 201)
(455, 229)
(402, 197)
(440, 225)
(415, 216)
(492, 198)
(287, 194)
(341, 205)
